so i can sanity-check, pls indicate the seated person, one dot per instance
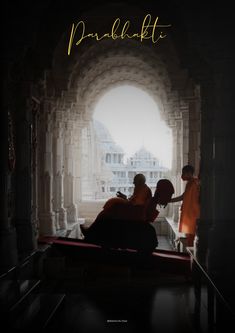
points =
(133, 208)
(122, 222)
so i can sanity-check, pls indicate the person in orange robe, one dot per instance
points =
(121, 223)
(133, 208)
(190, 209)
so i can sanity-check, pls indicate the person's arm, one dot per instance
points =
(121, 195)
(176, 199)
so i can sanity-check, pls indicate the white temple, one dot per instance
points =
(116, 174)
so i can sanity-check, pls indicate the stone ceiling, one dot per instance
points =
(78, 81)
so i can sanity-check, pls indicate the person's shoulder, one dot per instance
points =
(149, 191)
(196, 180)
(147, 187)
(193, 183)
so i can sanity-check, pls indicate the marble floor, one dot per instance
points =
(165, 307)
(162, 304)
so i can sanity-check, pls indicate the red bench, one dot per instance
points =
(158, 260)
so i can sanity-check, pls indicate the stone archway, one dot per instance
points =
(38, 92)
(69, 103)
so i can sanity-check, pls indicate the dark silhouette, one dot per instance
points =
(122, 224)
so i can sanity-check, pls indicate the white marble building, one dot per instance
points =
(117, 173)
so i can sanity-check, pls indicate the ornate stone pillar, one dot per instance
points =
(71, 164)
(26, 233)
(46, 213)
(8, 245)
(58, 171)
(206, 170)
(194, 132)
(34, 166)
(177, 164)
(221, 237)
(86, 163)
(68, 161)
(73, 172)
(78, 163)
(81, 167)
(62, 210)
(185, 137)
(94, 162)
(74, 177)
(90, 161)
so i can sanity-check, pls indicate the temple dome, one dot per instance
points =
(105, 138)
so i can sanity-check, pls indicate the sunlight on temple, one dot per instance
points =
(132, 117)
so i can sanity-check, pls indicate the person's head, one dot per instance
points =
(164, 191)
(187, 172)
(139, 179)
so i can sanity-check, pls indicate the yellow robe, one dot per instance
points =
(190, 209)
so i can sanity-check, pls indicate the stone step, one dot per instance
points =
(14, 291)
(34, 312)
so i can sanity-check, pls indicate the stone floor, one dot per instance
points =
(141, 302)
(161, 304)
(162, 307)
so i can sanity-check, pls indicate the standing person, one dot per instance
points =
(190, 209)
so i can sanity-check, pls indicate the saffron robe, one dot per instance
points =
(190, 209)
(120, 223)
(131, 209)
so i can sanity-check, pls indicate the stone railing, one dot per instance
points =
(177, 239)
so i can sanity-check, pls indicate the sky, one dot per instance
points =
(133, 120)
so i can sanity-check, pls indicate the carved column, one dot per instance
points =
(58, 171)
(8, 245)
(177, 164)
(68, 162)
(194, 131)
(46, 214)
(185, 137)
(207, 170)
(78, 163)
(90, 150)
(62, 210)
(221, 237)
(26, 233)
(75, 171)
(34, 166)
(86, 182)
(70, 165)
